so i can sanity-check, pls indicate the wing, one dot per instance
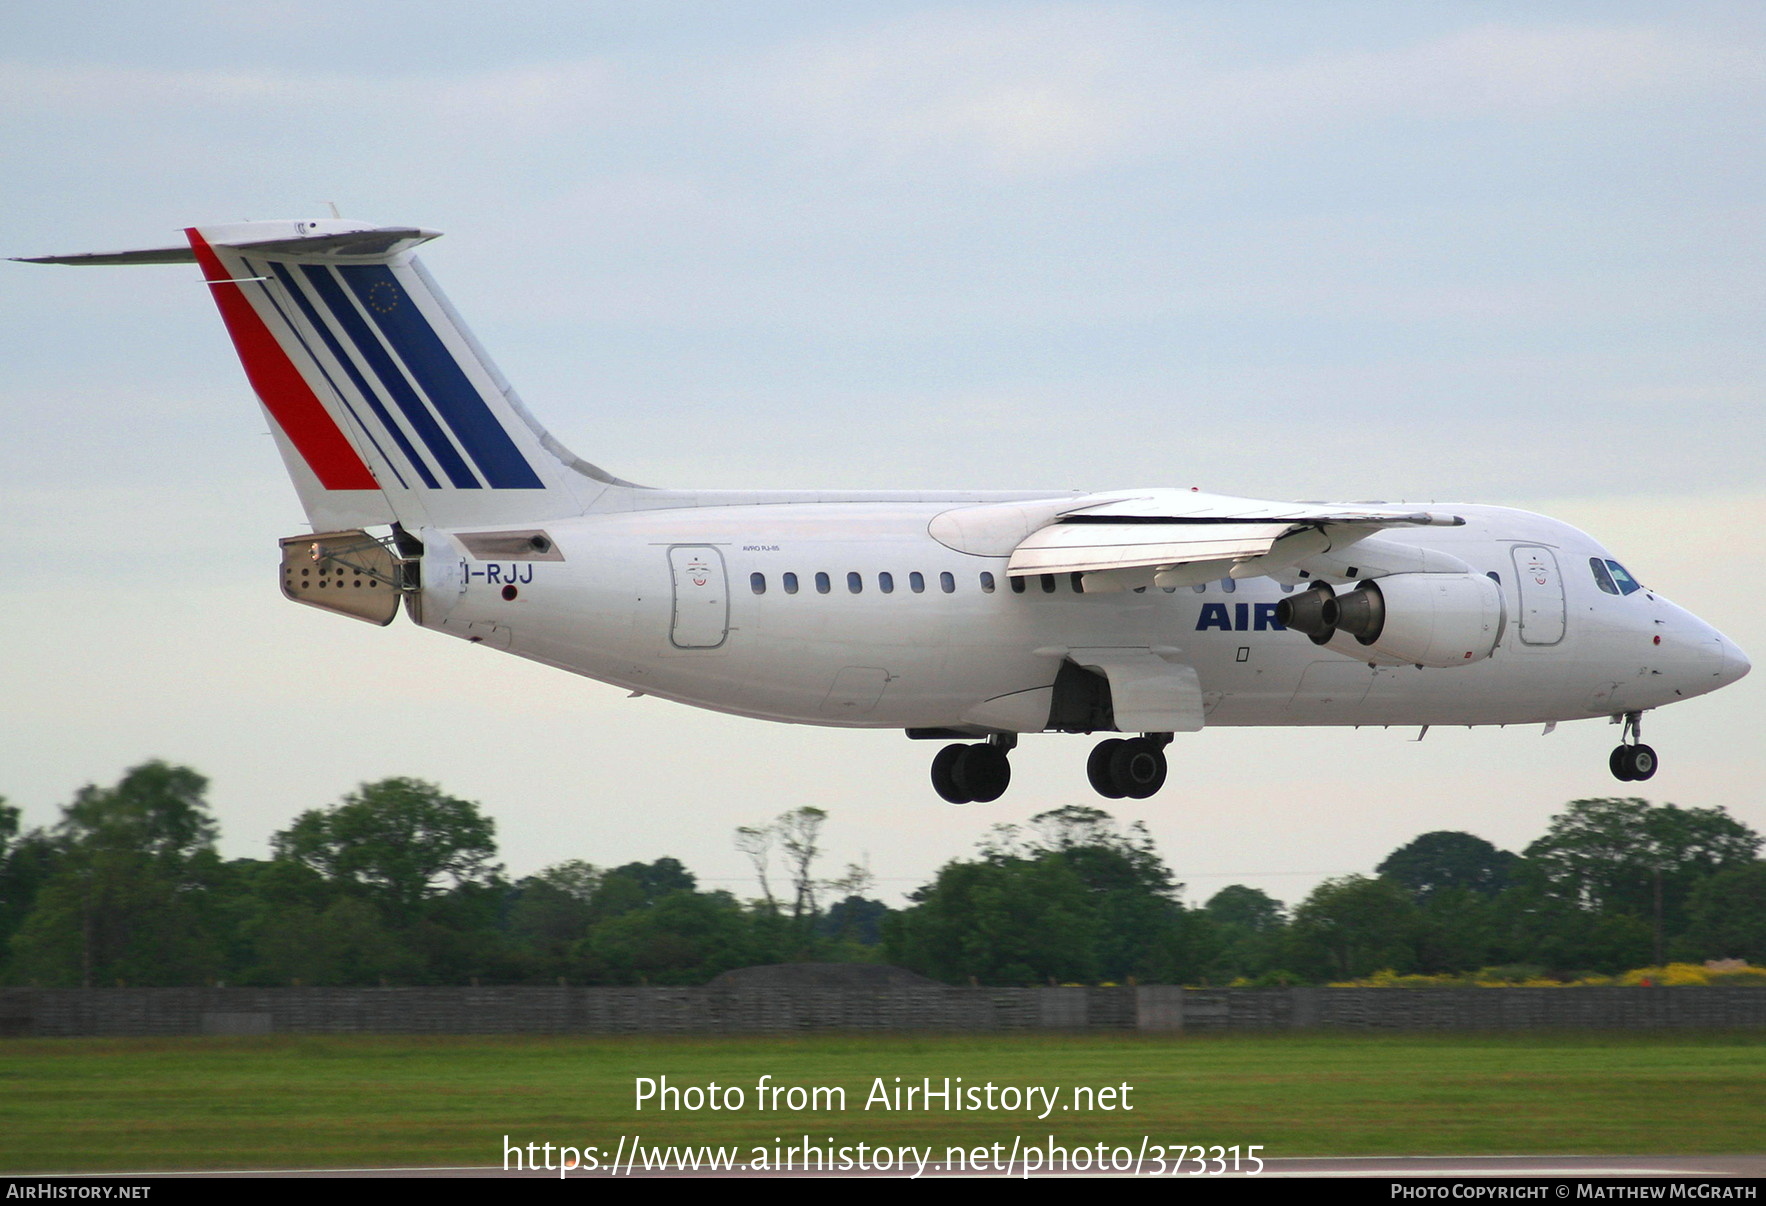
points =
(1182, 537)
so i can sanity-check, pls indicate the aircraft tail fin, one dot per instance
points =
(383, 405)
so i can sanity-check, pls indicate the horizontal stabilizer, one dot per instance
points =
(150, 255)
(376, 242)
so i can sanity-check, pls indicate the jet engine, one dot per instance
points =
(1425, 619)
(1422, 619)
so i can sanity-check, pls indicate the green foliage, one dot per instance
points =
(156, 811)
(1251, 910)
(1446, 861)
(127, 895)
(682, 937)
(398, 883)
(1354, 926)
(1006, 921)
(400, 840)
(1241, 935)
(1070, 899)
(1728, 915)
(1623, 856)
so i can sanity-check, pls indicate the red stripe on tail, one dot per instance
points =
(285, 393)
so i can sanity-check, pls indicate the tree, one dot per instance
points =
(1070, 896)
(156, 810)
(1016, 921)
(639, 886)
(683, 937)
(1253, 910)
(27, 862)
(128, 897)
(348, 942)
(1625, 856)
(1728, 915)
(1354, 926)
(756, 842)
(551, 911)
(1445, 860)
(800, 832)
(1243, 933)
(402, 841)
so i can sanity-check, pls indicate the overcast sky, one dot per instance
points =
(1491, 252)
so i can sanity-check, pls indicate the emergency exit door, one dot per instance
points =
(702, 597)
(1542, 595)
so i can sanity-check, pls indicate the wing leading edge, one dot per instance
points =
(1180, 538)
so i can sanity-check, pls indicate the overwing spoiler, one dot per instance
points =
(1182, 537)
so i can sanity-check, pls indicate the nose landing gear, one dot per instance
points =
(974, 774)
(1133, 768)
(1632, 761)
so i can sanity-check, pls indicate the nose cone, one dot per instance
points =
(1693, 657)
(1735, 663)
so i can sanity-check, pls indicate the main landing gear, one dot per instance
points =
(1120, 768)
(1132, 768)
(1632, 761)
(974, 774)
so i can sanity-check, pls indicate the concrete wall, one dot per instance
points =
(182, 1011)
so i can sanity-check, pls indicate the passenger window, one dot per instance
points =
(1078, 584)
(917, 582)
(886, 582)
(1602, 579)
(947, 583)
(987, 581)
(1625, 581)
(790, 581)
(1229, 585)
(1017, 585)
(822, 585)
(757, 582)
(854, 583)
(1048, 584)
(1201, 588)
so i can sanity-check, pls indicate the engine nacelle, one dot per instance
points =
(1425, 619)
(1311, 611)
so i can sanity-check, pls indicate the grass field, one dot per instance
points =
(310, 1101)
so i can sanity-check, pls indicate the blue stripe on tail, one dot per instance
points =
(456, 399)
(391, 377)
(349, 366)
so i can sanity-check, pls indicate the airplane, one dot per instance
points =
(970, 617)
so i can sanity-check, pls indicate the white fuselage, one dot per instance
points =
(695, 604)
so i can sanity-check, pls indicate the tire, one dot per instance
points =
(944, 780)
(983, 773)
(1138, 768)
(1619, 762)
(1642, 762)
(1097, 768)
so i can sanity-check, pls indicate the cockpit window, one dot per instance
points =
(1625, 581)
(1602, 579)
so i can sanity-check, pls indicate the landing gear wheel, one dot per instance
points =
(1138, 768)
(944, 779)
(1632, 763)
(1643, 762)
(1097, 768)
(983, 772)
